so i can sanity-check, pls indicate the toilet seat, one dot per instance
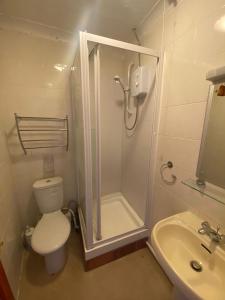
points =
(51, 233)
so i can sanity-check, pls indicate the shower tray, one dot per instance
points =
(117, 216)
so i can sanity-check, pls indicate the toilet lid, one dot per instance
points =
(51, 233)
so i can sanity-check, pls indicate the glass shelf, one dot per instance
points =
(208, 189)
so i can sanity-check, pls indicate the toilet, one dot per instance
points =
(53, 229)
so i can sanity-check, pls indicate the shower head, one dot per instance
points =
(118, 80)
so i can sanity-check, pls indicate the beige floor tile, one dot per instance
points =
(135, 276)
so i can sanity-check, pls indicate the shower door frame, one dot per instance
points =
(86, 37)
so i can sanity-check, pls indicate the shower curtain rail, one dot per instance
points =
(43, 128)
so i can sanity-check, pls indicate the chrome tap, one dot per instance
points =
(213, 234)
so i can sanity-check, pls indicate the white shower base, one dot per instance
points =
(120, 226)
(117, 216)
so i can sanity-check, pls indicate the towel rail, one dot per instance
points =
(37, 126)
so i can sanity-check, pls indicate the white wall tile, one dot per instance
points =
(185, 81)
(192, 46)
(10, 222)
(137, 145)
(185, 121)
(30, 86)
(183, 151)
(111, 114)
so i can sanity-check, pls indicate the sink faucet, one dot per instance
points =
(214, 235)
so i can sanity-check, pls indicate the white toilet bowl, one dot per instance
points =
(49, 238)
(53, 229)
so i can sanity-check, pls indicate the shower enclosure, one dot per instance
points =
(113, 89)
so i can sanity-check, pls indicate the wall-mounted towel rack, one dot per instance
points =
(42, 132)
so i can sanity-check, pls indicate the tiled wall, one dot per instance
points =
(137, 145)
(188, 34)
(111, 114)
(125, 155)
(30, 86)
(10, 223)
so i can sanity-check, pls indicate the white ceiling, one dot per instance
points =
(111, 18)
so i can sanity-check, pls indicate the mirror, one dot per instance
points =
(211, 163)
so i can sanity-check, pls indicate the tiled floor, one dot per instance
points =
(136, 276)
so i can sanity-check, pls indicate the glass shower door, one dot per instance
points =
(77, 113)
(116, 159)
(94, 84)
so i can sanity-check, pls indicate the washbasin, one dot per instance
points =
(194, 264)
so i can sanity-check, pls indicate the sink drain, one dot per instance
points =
(196, 266)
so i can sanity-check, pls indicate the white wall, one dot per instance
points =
(10, 223)
(30, 86)
(192, 45)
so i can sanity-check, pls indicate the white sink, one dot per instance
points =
(176, 243)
